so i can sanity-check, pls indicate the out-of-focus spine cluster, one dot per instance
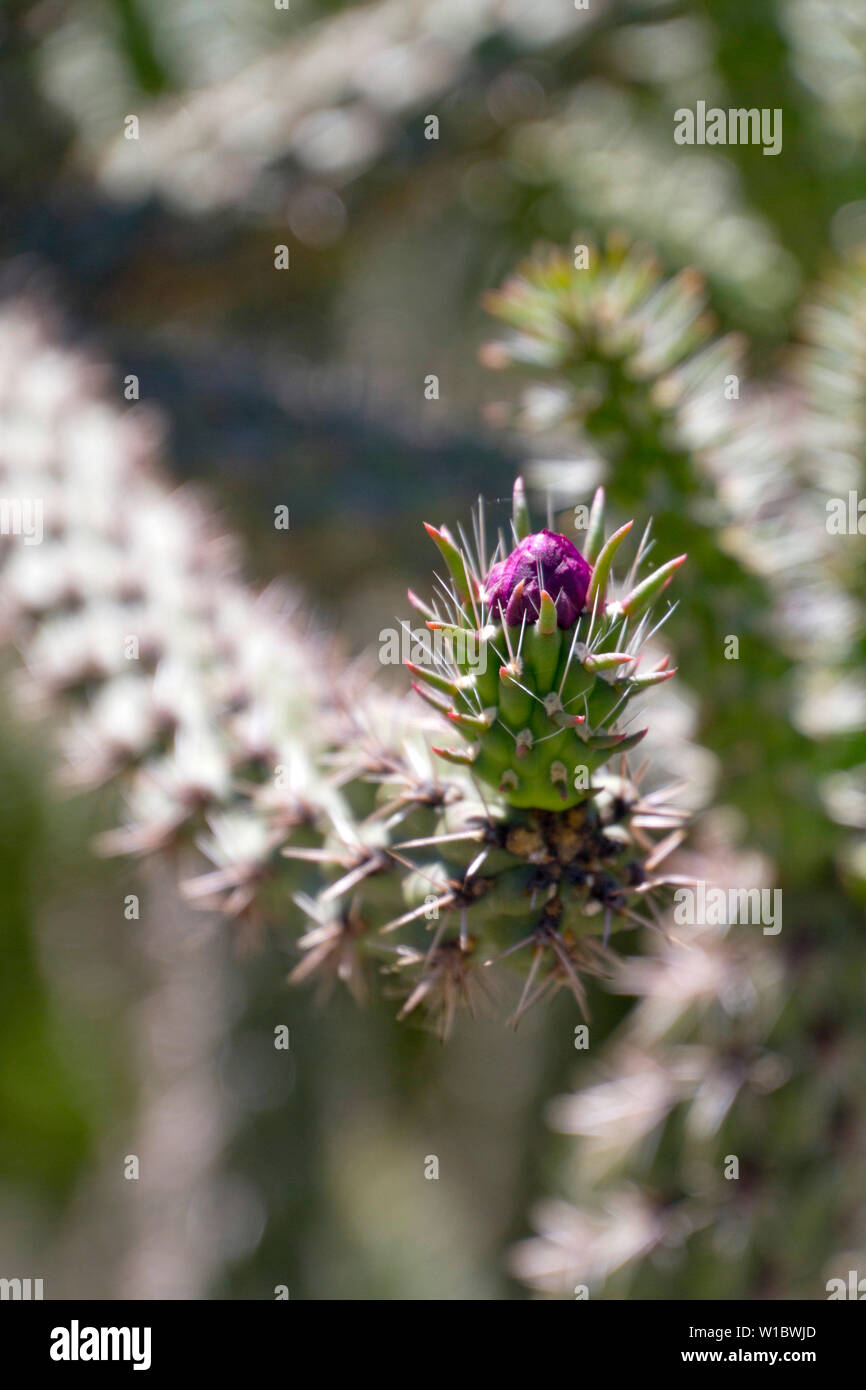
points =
(125, 601)
(302, 114)
(720, 1131)
(332, 101)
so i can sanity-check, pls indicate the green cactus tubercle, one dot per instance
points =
(538, 702)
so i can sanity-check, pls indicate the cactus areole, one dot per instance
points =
(540, 661)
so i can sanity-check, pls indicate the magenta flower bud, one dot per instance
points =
(547, 561)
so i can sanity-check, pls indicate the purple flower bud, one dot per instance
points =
(541, 561)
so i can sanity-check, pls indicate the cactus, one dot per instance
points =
(544, 663)
(533, 659)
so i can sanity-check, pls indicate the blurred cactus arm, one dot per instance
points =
(672, 1184)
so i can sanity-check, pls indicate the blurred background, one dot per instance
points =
(310, 127)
